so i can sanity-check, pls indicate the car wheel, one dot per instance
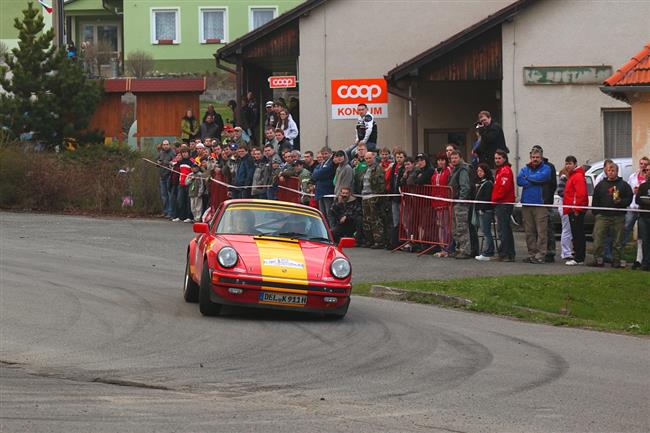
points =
(206, 306)
(190, 288)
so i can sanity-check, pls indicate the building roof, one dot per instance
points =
(154, 85)
(636, 72)
(457, 40)
(238, 44)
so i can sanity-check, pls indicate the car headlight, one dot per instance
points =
(227, 257)
(340, 268)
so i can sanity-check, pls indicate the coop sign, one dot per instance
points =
(346, 95)
(544, 75)
(282, 81)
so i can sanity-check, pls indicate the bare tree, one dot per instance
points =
(139, 63)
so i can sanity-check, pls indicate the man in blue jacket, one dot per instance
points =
(244, 174)
(323, 177)
(532, 178)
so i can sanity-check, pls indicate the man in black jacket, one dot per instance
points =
(612, 192)
(643, 200)
(210, 129)
(492, 139)
(346, 213)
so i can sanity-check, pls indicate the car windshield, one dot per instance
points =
(261, 219)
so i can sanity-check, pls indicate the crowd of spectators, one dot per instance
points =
(358, 190)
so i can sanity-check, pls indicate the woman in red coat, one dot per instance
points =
(575, 194)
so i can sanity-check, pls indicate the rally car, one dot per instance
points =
(267, 254)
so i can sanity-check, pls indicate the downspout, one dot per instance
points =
(414, 110)
(223, 67)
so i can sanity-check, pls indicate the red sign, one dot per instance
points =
(281, 82)
(346, 95)
(368, 91)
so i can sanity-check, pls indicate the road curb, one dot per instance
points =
(397, 294)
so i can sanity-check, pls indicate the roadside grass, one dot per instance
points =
(616, 300)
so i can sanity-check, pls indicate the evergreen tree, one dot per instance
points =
(46, 92)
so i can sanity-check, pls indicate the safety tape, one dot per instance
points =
(443, 199)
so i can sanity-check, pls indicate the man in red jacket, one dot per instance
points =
(575, 194)
(503, 194)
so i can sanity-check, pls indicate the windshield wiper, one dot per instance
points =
(320, 239)
(291, 235)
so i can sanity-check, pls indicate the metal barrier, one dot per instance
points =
(286, 195)
(423, 220)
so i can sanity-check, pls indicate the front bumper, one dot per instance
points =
(337, 293)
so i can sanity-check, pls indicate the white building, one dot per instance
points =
(535, 64)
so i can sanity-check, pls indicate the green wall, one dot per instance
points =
(180, 57)
(10, 9)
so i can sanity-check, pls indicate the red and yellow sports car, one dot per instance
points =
(267, 254)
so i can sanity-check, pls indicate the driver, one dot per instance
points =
(244, 222)
(296, 225)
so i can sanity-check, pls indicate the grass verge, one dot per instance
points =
(617, 300)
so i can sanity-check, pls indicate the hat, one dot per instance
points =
(233, 146)
(184, 148)
(269, 103)
(421, 156)
(200, 146)
(339, 153)
(237, 128)
(299, 162)
(538, 147)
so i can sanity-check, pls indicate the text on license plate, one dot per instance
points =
(282, 298)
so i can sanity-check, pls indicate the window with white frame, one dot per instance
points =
(213, 25)
(165, 26)
(261, 15)
(617, 125)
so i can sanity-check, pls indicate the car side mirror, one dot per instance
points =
(346, 243)
(200, 228)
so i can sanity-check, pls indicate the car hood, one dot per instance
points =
(282, 258)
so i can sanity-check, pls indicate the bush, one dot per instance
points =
(139, 63)
(87, 180)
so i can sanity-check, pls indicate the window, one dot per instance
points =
(165, 26)
(213, 25)
(618, 133)
(106, 37)
(261, 15)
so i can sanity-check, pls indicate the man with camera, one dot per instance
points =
(492, 139)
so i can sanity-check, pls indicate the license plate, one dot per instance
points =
(282, 298)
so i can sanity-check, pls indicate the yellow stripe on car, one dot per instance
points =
(282, 261)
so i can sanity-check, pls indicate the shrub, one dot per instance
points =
(139, 63)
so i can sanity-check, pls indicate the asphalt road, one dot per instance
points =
(95, 337)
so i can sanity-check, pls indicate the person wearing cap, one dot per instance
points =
(423, 171)
(270, 120)
(532, 178)
(239, 138)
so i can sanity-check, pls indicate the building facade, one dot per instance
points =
(535, 64)
(181, 36)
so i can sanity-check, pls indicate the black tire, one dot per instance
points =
(206, 306)
(190, 288)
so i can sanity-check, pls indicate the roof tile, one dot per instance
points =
(636, 72)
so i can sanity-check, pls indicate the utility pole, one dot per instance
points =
(58, 22)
